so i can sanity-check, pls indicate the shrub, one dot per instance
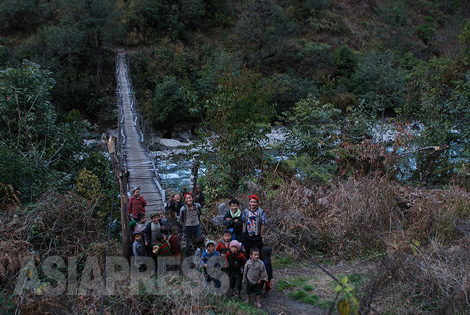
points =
(166, 107)
(379, 81)
(436, 276)
(345, 60)
(427, 30)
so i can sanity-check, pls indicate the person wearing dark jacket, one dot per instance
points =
(233, 220)
(254, 220)
(151, 232)
(235, 261)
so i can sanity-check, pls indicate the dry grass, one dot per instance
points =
(436, 276)
(373, 215)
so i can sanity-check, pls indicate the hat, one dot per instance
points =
(132, 224)
(154, 214)
(135, 188)
(210, 242)
(136, 232)
(235, 243)
(188, 193)
(254, 197)
(226, 231)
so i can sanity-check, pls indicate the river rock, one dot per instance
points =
(223, 208)
(173, 143)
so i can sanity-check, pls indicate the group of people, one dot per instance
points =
(242, 236)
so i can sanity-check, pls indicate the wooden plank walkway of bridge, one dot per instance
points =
(140, 166)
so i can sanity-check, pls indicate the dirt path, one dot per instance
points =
(279, 304)
(322, 286)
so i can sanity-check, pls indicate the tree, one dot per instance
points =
(379, 81)
(39, 150)
(439, 97)
(167, 107)
(315, 130)
(239, 115)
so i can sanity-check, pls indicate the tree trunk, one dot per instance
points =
(194, 171)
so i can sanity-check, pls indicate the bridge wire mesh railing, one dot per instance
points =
(146, 135)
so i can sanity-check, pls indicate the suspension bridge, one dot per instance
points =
(132, 138)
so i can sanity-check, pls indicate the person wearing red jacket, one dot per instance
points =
(137, 203)
(235, 262)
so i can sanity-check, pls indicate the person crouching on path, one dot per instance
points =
(254, 220)
(137, 204)
(190, 220)
(253, 275)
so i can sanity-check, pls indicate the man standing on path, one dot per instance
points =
(254, 220)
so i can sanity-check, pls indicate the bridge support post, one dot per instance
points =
(122, 176)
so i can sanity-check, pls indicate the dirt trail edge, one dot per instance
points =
(322, 286)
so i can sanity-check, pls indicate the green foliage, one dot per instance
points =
(40, 149)
(149, 17)
(379, 81)
(167, 105)
(345, 60)
(239, 114)
(314, 132)
(262, 26)
(88, 185)
(291, 282)
(427, 30)
(346, 297)
(26, 113)
(20, 16)
(291, 89)
(73, 48)
(439, 97)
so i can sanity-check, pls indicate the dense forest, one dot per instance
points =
(334, 75)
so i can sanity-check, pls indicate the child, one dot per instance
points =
(253, 275)
(141, 223)
(139, 250)
(224, 245)
(175, 249)
(210, 261)
(162, 247)
(235, 262)
(164, 224)
(175, 243)
(233, 220)
(269, 269)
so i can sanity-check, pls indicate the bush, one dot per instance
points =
(166, 107)
(379, 81)
(291, 89)
(436, 276)
(427, 30)
(345, 60)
